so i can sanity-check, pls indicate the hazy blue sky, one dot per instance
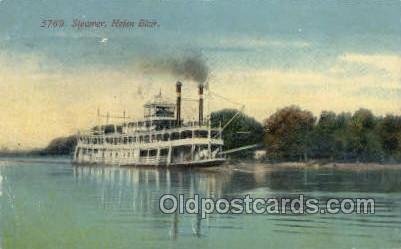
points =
(338, 55)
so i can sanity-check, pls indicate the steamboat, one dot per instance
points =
(162, 138)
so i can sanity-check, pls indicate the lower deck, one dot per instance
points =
(194, 154)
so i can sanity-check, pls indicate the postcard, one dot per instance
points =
(200, 124)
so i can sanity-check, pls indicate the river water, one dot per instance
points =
(48, 203)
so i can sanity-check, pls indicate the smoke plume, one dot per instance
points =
(184, 68)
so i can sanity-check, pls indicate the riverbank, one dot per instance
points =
(246, 166)
(311, 165)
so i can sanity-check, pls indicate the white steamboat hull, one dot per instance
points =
(184, 152)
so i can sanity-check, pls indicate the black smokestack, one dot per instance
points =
(178, 106)
(200, 87)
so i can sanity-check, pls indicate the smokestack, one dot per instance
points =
(200, 104)
(178, 90)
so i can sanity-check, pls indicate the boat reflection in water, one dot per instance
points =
(138, 190)
(54, 204)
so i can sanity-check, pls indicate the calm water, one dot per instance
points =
(50, 204)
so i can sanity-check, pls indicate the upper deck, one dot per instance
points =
(162, 122)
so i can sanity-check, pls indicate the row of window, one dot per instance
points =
(142, 153)
(147, 138)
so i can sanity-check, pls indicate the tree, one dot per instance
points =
(323, 136)
(287, 133)
(389, 131)
(363, 139)
(243, 130)
(341, 136)
(61, 146)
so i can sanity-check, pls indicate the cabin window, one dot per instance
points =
(163, 152)
(159, 137)
(125, 140)
(152, 152)
(153, 138)
(143, 153)
(130, 140)
(165, 137)
(186, 134)
(175, 136)
(109, 129)
(141, 139)
(146, 139)
(202, 134)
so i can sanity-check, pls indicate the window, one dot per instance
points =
(165, 137)
(143, 153)
(163, 152)
(186, 134)
(152, 152)
(201, 134)
(175, 136)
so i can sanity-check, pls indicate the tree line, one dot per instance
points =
(293, 134)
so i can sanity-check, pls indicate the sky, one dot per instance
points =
(320, 55)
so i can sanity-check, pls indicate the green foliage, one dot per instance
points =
(361, 137)
(288, 133)
(389, 132)
(323, 137)
(243, 130)
(292, 134)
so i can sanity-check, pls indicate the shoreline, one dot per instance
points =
(315, 166)
(250, 166)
